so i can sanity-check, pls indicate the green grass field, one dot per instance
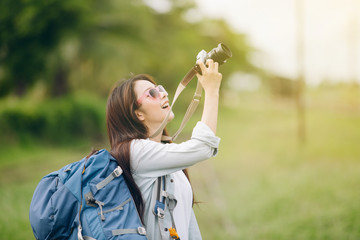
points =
(261, 185)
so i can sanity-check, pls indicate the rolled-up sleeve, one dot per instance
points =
(152, 159)
(203, 133)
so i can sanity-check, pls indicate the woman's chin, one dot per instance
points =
(171, 116)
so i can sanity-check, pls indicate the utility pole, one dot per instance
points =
(353, 44)
(300, 83)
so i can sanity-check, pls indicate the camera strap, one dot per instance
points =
(190, 110)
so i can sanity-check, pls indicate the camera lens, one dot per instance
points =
(220, 53)
(225, 50)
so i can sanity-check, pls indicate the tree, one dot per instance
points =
(29, 30)
(107, 39)
(130, 37)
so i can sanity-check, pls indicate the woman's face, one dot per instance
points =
(152, 110)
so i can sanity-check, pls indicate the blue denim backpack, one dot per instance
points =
(85, 200)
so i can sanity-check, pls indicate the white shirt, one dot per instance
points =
(182, 212)
(150, 159)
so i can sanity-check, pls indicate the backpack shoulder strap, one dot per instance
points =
(162, 198)
(159, 206)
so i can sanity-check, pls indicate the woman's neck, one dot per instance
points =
(155, 138)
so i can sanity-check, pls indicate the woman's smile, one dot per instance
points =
(154, 104)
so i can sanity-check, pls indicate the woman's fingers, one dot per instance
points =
(210, 63)
(201, 65)
(216, 66)
(210, 79)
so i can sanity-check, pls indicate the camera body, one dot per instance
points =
(218, 54)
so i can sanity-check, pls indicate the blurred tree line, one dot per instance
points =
(73, 50)
(71, 44)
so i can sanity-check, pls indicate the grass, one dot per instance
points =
(262, 184)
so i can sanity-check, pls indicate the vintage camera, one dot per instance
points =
(218, 54)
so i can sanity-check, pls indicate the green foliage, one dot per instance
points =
(29, 31)
(88, 45)
(55, 121)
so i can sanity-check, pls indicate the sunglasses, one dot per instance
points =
(154, 93)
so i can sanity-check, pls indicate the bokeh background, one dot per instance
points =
(288, 165)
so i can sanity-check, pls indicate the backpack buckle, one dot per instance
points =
(117, 172)
(160, 213)
(159, 209)
(79, 234)
(141, 230)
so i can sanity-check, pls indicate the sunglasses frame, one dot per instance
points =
(156, 92)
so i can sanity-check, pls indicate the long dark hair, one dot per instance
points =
(123, 126)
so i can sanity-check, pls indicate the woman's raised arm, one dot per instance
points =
(210, 81)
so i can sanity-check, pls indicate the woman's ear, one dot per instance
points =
(140, 115)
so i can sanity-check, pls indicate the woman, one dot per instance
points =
(135, 111)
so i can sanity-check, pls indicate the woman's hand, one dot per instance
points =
(211, 78)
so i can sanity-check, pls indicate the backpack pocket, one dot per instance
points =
(115, 209)
(49, 217)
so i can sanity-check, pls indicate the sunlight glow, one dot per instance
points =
(332, 34)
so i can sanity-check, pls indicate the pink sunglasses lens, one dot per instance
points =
(154, 93)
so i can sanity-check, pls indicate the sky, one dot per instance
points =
(331, 34)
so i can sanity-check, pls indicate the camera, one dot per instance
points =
(218, 54)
